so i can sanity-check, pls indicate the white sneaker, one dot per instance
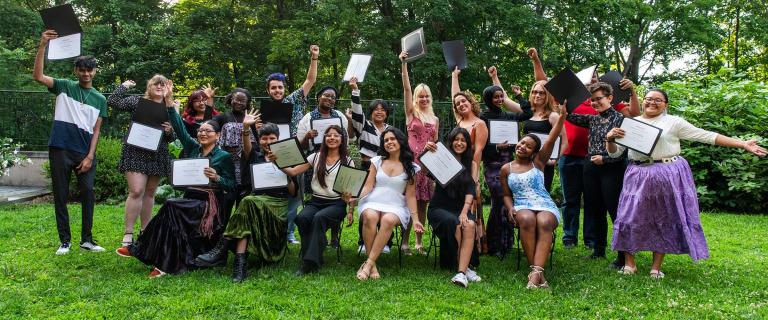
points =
(472, 276)
(386, 249)
(91, 246)
(63, 249)
(361, 249)
(460, 280)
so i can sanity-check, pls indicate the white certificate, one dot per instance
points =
(358, 65)
(585, 76)
(321, 125)
(442, 164)
(555, 149)
(285, 130)
(64, 47)
(144, 136)
(267, 176)
(288, 153)
(504, 131)
(350, 179)
(639, 136)
(189, 172)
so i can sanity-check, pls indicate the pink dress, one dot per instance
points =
(418, 135)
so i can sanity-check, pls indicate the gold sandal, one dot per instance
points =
(657, 274)
(362, 275)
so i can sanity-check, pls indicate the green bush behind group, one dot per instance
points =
(726, 179)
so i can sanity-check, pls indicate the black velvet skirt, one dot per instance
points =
(173, 237)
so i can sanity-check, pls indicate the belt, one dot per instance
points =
(652, 161)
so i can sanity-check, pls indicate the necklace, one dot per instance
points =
(82, 101)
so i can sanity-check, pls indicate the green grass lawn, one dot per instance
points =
(37, 284)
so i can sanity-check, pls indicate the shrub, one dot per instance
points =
(9, 155)
(735, 106)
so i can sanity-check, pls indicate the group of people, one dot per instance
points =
(650, 198)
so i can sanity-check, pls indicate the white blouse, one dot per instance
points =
(331, 172)
(674, 129)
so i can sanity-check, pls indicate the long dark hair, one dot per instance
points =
(458, 187)
(323, 154)
(406, 155)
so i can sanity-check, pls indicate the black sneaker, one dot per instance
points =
(63, 249)
(569, 244)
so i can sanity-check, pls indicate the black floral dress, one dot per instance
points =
(134, 159)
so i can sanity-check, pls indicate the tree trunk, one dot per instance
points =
(736, 40)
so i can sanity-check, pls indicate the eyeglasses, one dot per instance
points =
(329, 96)
(205, 131)
(596, 99)
(538, 92)
(654, 100)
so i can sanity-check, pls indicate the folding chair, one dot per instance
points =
(434, 242)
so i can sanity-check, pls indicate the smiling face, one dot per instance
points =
(538, 95)
(206, 135)
(379, 114)
(158, 89)
(199, 104)
(498, 98)
(526, 148)
(390, 143)
(327, 100)
(239, 102)
(276, 90)
(85, 75)
(462, 105)
(332, 138)
(265, 140)
(654, 104)
(459, 144)
(601, 101)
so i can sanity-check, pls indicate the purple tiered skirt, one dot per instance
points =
(659, 211)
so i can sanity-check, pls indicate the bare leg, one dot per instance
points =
(526, 220)
(388, 222)
(421, 207)
(242, 245)
(370, 219)
(658, 258)
(545, 224)
(148, 200)
(629, 260)
(466, 237)
(133, 204)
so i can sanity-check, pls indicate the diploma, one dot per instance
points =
(442, 164)
(414, 44)
(639, 136)
(189, 172)
(288, 153)
(350, 179)
(321, 125)
(358, 65)
(267, 176)
(144, 136)
(504, 131)
(555, 149)
(64, 47)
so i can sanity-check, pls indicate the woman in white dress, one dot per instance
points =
(388, 198)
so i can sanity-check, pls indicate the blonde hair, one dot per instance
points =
(428, 114)
(158, 78)
(471, 98)
(549, 102)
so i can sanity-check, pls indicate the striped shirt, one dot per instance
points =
(366, 130)
(76, 112)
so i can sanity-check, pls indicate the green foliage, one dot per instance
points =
(109, 185)
(732, 105)
(165, 192)
(9, 155)
(85, 285)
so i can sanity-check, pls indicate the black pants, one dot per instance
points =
(63, 162)
(572, 182)
(317, 216)
(602, 187)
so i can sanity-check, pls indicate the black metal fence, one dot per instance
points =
(26, 116)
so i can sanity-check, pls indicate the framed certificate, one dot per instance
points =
(144, 137)
(442, 164)
(350, 179)
(288, 153)
(555, 149)
(321, 125)
(414, 44)
(504, 131)
(639, 136)
(189, 172)
(267, 176)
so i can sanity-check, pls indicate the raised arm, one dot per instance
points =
(210, 92)
(455, 88)
(554, 117)
(120, 100)
(634, 102)
(407, 93)
(249, 120)
(538, 69)
(546, 149)
(358, 116)
(37, 72)
(314, 51)
(178, 126)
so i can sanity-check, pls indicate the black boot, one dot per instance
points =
(214, 258)
(239, 267)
